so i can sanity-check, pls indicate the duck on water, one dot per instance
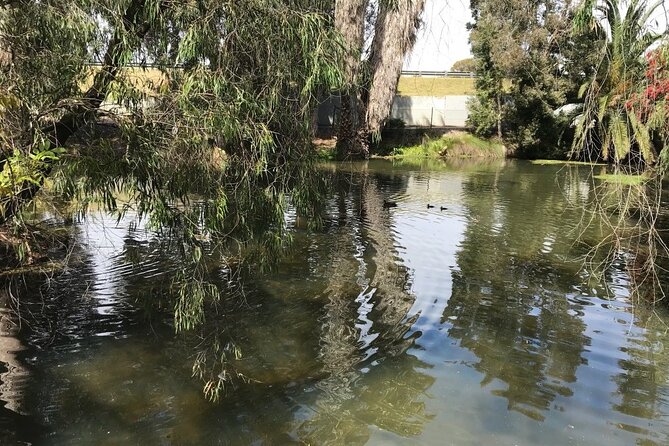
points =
(393, 204)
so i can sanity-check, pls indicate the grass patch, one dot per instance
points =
(440, 86)
(561, 162)
(150, 78)
(452, 145)
(326, 154)
(435, 86)
(623, 179)
(326, 149)
(146, 80)
(470, 165)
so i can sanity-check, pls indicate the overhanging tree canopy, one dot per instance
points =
(207, 151)
(608, 127)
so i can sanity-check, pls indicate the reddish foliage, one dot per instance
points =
(655, 92)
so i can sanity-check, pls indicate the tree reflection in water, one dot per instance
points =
(330, 339)
(364, 325)
(510, 302)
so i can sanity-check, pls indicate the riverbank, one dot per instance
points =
(455, 144)
(429, 143)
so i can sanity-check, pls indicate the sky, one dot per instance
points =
(444, 38)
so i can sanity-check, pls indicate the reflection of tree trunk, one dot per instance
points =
(389, 278)
(500, 309)
(10, 381)
(643, 372)
(349, 301)
(339, 338)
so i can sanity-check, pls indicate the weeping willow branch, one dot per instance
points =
(627, 219)
(135, 27)
(211, 156)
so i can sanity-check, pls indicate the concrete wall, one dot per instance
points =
(327, 112)
(415, 111)
(430, 111)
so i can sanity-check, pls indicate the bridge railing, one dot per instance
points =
(451, 74)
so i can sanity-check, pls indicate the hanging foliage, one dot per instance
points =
(208, 143)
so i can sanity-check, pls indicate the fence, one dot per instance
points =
(452, 74)
(430, 117)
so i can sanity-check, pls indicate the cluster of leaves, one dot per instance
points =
(465, 65)
(19, 170)
(608, 128)
(211, 156)
(528, 65)
(651, 104)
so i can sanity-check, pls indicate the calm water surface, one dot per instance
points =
(475, 324)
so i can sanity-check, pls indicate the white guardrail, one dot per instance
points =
(422, 73)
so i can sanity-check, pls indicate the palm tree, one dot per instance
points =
(606, 124)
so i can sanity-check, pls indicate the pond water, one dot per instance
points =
(475, 324)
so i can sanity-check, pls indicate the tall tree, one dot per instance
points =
(608, 128)
(350, 23)
(372, 72)
(486, 107)
(529, 65)
(465, 65)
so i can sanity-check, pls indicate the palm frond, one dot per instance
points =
(642, 138)
(619, 135)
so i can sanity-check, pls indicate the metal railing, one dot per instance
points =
(452, 74)
(136, 65)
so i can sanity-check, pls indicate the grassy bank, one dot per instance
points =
(147, 80)
(439, 86)
(435, 86)
(623, 179)
(451, 145)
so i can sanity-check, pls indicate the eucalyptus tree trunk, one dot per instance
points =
(394, 37)
(372, 82)
(350, 23)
